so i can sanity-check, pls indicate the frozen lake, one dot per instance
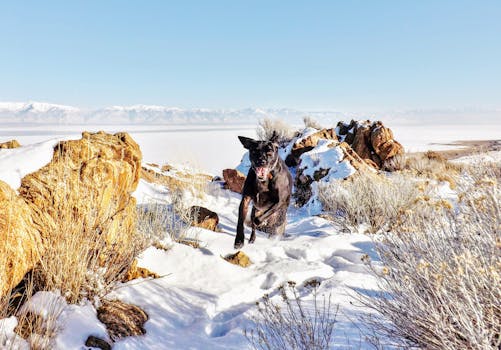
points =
(215, 147)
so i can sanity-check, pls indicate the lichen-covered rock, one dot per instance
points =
(20, 245)
(10, 144)
(90, 180)
(233, 180)
(204, 218)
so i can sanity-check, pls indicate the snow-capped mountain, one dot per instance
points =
(47, 113)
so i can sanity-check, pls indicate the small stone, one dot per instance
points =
(204, 218)
(95, 342)
(239, 258)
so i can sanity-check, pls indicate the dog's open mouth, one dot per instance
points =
(261, 172)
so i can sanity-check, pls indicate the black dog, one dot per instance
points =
(268, 186)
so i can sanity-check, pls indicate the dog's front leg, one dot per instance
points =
(253, 226)
(242, 214)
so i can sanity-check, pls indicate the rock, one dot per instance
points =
(239, 258)
(20, 246)
(354, 159)
(95, 342)
(135, 272)
(307, 144)
(10, 144)
(203, 217)
(383, 143)
(85, 189)
(175, 179)
(234, 180)
(121, 319)
(327, 162)
(362, 141)
(89, 180)
(372, 141)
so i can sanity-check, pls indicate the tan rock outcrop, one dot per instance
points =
(234, 180)
(90, 179)
(85, 191)
(174, 179)
(10, 144)
(20, 245)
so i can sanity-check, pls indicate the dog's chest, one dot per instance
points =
(265, 194)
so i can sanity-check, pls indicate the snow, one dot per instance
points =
(201, 301)
(18, 162)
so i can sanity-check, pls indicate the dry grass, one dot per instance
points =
(430, 165)
(369, 199)
(163, 223)
(276, 130)
(441, 279)
(310, 122)
(292, 325)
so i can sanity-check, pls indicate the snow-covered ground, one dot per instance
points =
(203, 302)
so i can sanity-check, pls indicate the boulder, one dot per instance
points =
(90, 181)
(20, 246)
(10, 144)
(372, 141)
(307, 143)
(85, 189)
(234, 180)
(383, 143)
(203, 217)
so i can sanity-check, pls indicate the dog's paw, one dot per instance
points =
(252, 238)
(238, 244)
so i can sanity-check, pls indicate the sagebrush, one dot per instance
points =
(291, 324)
(441, 279)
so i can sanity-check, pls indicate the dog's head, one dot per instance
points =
(263, 155)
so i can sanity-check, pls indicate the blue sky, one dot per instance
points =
(343, 55)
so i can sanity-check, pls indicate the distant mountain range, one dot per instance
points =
(47, 113)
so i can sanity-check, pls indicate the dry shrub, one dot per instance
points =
(369, 199)
(441, 281)
(431, 165)
(310, 122)
(162, 223)
(84, 255)
(276, 130)
(290, 324)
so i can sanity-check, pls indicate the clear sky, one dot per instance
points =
(344, 55)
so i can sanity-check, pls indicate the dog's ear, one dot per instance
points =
(248, 143)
